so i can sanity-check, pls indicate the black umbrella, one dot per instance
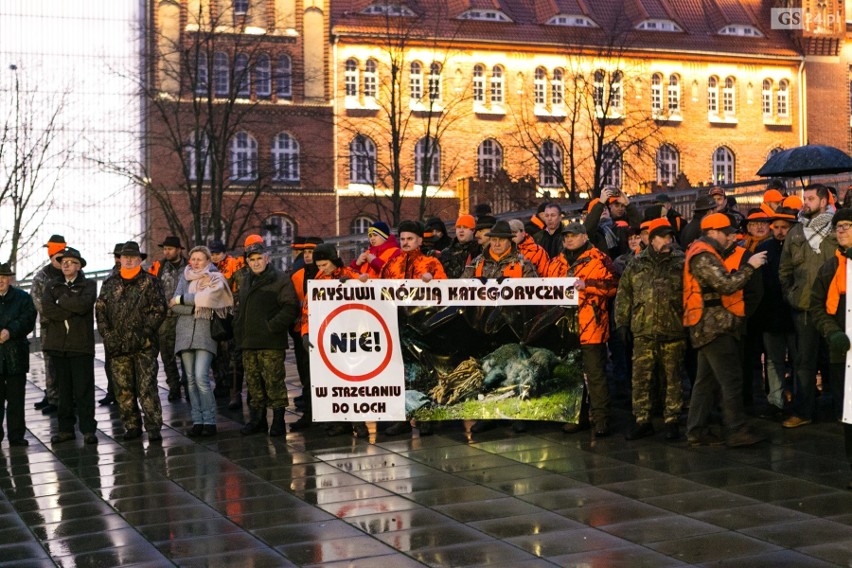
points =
(810, 160)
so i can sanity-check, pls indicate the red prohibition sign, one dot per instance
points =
(355, 378)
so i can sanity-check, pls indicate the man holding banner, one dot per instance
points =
(596, 283)
(828, 309)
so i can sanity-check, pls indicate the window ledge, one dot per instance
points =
(543, 111)
(777, 121)
(611, 114)
(420, 107)
(672, 116)
(493, 109)
(721, 119)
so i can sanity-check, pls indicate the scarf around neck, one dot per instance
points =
(214, 297)
(817, 228)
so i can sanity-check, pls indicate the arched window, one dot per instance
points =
(713, 95)
(656, 92)
(540, 86)
(415, 82)
(611, 166)
(435, 82)
(550, 164)
(497, 85)
(766, 98)
(285, 158)
(242, 75)
(598, 89)
(197, 156)
(221, 82)
(201, 74)
(284, 78)
(360, 225)
(263, 77)
(427, 157)
(489, 158)
(668, 164)
(728, 96)
(278, 232)
(673, 94)
(557, 88)
(723, 165)
(479, 84)
(243, 157)
(783, 98)
(362, 160)
(371, 79)
(616, 100)
(350, 77)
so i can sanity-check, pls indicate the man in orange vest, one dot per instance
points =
(714, 311)
(597, 284)
(383, 247)
(828, 309)
(528, 247)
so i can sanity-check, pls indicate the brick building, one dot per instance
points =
(385, 100)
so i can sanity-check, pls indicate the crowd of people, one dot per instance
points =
(744, 312)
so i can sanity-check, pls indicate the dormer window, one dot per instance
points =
(740, 30)
(388, 9)
(571, 21)
(658, 26)
(485, 15)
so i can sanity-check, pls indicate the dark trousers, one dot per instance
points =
(75, 378)
(594, 365)
(303, 364)
(167, 353)
(808, 342)
(838, 382)
(719, 367)
(12, 405)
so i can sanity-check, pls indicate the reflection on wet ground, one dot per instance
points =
(540, 498)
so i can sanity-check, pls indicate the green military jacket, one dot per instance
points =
(650, 296)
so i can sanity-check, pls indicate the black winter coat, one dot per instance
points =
(18, 315)
(774, 313)
(268, 307)
(70, 313)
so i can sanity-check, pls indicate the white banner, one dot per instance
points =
(357, 371)
(847, 395)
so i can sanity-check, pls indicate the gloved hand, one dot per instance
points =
(624, 335)
(500, 279)
(483, 279)
(838, 345)
(343, 279)
(306, 342)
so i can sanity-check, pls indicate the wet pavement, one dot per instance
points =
(540, 498)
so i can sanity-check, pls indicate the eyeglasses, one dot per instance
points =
(842, 228)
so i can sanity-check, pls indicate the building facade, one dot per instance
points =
(349, 111)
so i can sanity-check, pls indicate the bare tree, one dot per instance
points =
(586, 119)
(411, 108)
(202, 87)
(33, 153)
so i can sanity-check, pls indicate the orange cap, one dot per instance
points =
(772, 196)
(659, 226)
(793, 202)
(466, 221)
(758, 216)
(715, 221)
(253, 240)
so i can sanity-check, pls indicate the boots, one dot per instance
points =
(278, 428)
(257, 422)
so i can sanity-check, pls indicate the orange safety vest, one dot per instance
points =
(693, 300)
(514, 270)
(838, 285)
(385, 255)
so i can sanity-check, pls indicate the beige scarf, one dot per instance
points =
(212, 293)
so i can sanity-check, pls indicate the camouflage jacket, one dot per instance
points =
(458, 255)
(43, 277)
(650, 296)
(168, 274)
(129, 313)
(497, 268)
(716, 281)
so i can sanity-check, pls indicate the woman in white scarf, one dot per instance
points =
(202, 290)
